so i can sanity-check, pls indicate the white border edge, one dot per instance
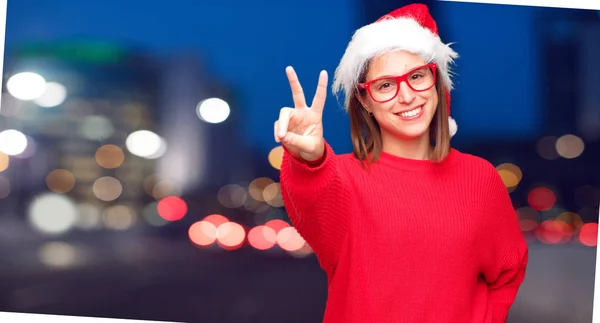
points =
(567, 4)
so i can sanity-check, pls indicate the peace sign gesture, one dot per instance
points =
(300, 129)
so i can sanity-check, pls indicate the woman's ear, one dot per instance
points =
(361, 100)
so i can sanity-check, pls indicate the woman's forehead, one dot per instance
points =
(394, 63)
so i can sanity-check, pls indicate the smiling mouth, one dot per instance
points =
(410, 114)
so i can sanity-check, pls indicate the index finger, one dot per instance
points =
(297, 93)
(321, 94)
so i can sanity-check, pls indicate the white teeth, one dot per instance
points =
(411, 113)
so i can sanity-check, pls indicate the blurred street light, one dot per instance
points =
(213, 110)
(54, 94)
(12, 142)
(26, 86)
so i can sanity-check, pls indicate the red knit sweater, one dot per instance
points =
(409, 241)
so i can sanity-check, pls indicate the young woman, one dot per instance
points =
(406, 228)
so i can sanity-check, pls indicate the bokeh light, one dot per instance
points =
(96, 128)
(588, 234)
(172, 208)
(257, 187)
(213, 110)
(529, 218)
(53, 95)
(232, 196)
(510, 173)
(52, 213)
(4, 187)
(89, 216)
(110, 156)
(289, 239)
(4, 162)
(60, 181)
(216, 219)
(554, 232)
(59, 255)
(272, 195)
(569, 146)
(276, 157)
(12, 142)
(107, 188)
(145, 144)
(119, 217)
(230, 235)
(262, 237)
(151, 215)
(30, 149)
(572, 219)
(164, 188)
(546, 148)
(203, 233)
(26, 86)
(277, 225)
(541, 198)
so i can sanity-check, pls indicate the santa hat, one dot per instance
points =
(410, 28)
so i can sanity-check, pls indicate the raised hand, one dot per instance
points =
(300, 129)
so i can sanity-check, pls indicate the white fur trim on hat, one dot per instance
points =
(452, 126)
(390, 35)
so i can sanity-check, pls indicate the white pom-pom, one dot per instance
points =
(453, 126)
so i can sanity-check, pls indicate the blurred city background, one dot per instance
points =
(139, 175)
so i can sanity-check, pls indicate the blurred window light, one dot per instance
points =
(54, 95)
(145, 144)
(26, 86)
(12, 142)
(213, 110)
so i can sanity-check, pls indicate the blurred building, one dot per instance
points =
(81, 130)
(200, 119)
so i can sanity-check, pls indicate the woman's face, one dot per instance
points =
(408, 114)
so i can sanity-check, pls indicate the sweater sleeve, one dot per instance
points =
(316, 199)
(504, 252)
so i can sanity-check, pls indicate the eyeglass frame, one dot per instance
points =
(399, 79)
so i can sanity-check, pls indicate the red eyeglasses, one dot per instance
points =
(386, 88)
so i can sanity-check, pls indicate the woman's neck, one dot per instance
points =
(415, 148)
